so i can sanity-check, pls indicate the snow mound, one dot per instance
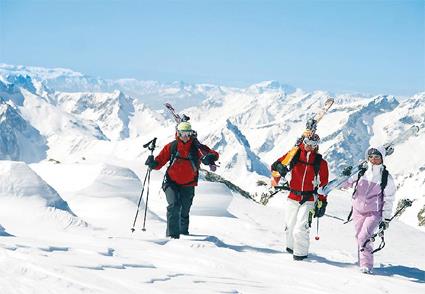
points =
(28, 203)
(101, 193)
(212, 199)
(18, 180)
(3, 232)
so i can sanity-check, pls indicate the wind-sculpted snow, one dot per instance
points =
(18, 180)
(103, 190)
(3, 232)
(28, 205)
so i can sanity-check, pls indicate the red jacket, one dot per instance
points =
(302, 175)
(181, 171)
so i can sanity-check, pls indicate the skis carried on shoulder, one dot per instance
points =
(389, 149)
(311, 127)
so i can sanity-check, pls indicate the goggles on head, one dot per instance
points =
(373, 152)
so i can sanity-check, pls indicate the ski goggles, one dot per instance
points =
(310, 142)
(185, 134)
(374, 153)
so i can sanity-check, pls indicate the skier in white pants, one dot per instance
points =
(309, 171)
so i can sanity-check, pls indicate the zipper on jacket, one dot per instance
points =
(305, 171)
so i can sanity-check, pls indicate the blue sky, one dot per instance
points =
(361, 46)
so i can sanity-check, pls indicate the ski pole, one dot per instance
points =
(316, 215)
(335, 217)
(147, 199)
(140, 200)
(151, 146)
(317, 229)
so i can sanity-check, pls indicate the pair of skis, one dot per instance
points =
(178, 119)
(389, 149)
(311, 127)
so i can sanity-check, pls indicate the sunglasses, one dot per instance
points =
(374, 156)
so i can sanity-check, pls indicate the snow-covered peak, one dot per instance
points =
(20, 140)
(39, 72)
(271, 86)
(111, 111)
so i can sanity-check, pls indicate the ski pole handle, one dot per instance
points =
(151, 145)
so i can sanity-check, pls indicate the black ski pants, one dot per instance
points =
(179, 200)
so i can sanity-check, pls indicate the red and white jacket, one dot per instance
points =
(303, 176)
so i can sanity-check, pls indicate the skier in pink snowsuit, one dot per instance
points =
(372, 203)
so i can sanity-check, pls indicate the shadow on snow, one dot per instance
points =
(412, 273)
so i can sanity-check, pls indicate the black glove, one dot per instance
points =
(281, 169)
(150, 162)
(320, 208)
(209, 159)
(347, 171)
(384, 224)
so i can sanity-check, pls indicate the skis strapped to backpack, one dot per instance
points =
(389, 149)
(202, 148)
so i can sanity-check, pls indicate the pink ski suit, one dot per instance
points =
(370, 206)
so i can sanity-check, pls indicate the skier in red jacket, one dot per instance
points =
(185, 155)
(308, 172)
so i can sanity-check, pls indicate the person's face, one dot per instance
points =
(375, 159)
(184, 135)
(309, 148)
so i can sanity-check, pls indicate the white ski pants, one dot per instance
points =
(297, 228)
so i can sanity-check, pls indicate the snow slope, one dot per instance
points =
(238, 253)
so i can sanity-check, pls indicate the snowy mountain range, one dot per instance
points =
(72, 164)
(250, 127)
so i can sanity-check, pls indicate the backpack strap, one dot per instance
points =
(295, 159)
(316, 163)
(173, 152)
(193, 155)
(384, 180)
(359, 175)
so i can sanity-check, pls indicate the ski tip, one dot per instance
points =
(329, 101)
